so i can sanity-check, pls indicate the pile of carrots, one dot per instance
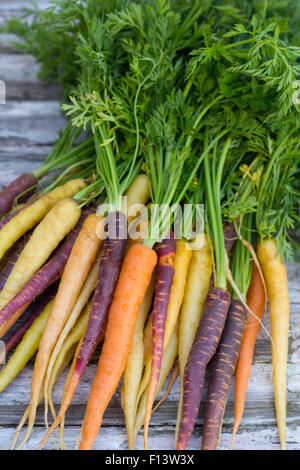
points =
(153, 303)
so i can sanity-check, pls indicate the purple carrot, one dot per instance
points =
(221, 372)
(20, 332)
(166, 251)
(230, 236)
(205, 344)
(7, 263)
(110, 264)
(49, 273)
(18, 186)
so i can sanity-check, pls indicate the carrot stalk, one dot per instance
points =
(205, 344)
(82, 256)
(166, 251)
(275, 275)
(133, 281)
(256, 301)
(221, 373)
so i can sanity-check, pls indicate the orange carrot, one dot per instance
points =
(133, 281)
(82, 256)
(256, 301)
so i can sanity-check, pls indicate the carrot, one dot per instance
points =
(181, 266)
(82, 256)
(133, 282)
(169, 357)
(230, 236)
(64, 359)
(110, 265)
(15, 337)
(166, 251)
(31, 215)
(18, 186)
(275, 275)
(12, 320)
(59, 221)
(221, 373)
(173, 378)
(134, 367)
(256, 301)
(182, 260)
(81, 302)
(13, 213)
(29, 344)
(49, 273)
(205, 344)
(197, 285)
(9, 260)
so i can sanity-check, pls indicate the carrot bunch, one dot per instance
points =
(169, 105)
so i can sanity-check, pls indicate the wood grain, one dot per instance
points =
(29, 124)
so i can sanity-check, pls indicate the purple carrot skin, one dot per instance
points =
(18, 186)
(221, 372)
(205, 344)
(14, 339)
(48, 274)
(110, 264)
(230, 236)
(166, 251)
(7, 263)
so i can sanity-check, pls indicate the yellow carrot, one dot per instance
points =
(169, 356)
(181, 265)
(134, 366)
(275, 275)
(31, 215)
(59, 221)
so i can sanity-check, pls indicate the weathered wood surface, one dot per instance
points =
(29, 125)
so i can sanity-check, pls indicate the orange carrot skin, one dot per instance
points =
(205, 344)
(166, 251)
(221, 373)
(134, 279)
(256, 301)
